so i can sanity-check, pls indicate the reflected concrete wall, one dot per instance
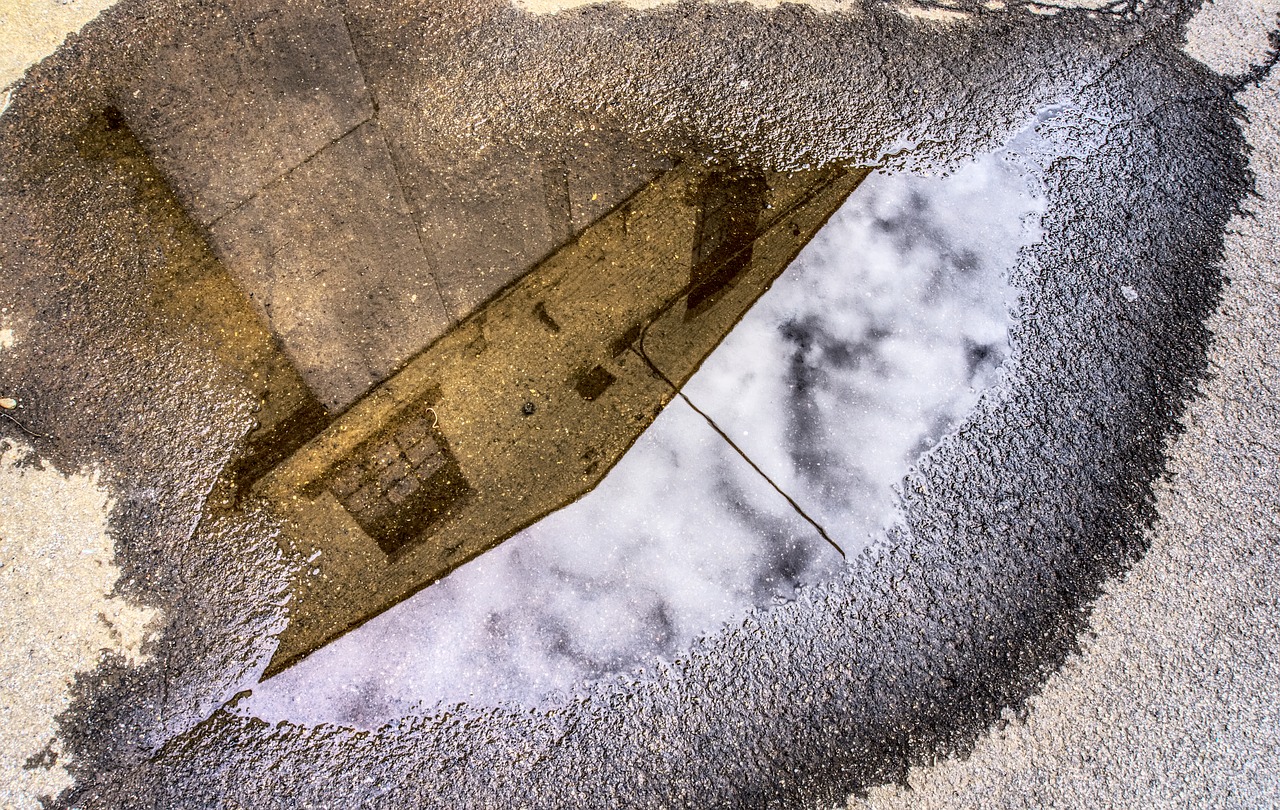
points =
(360, 234)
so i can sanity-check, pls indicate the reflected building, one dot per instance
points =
(445, 343)
(525, 404)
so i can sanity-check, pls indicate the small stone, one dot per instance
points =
(8, 403)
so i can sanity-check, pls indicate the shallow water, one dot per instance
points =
(875, 343)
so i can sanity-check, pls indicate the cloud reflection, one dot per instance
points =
(872, 345)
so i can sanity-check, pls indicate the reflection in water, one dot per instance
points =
(876, 342)
(529, 401)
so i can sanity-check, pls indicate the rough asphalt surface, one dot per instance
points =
(972, 612)
(1173, 702)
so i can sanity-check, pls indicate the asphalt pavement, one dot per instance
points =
(1078, 607)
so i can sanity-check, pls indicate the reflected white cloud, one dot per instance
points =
(878, 340)
(874, 344)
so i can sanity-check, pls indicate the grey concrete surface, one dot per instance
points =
(33, 29)
(1018, 529)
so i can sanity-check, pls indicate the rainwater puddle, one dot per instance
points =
(876, 342)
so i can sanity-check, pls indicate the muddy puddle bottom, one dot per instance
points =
(777, 455)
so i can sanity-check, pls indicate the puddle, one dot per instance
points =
(874, 343)
(524, 405)
(430, 386)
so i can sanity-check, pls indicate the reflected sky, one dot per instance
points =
(870, 347)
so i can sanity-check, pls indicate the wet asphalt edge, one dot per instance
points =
(1048, 485)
